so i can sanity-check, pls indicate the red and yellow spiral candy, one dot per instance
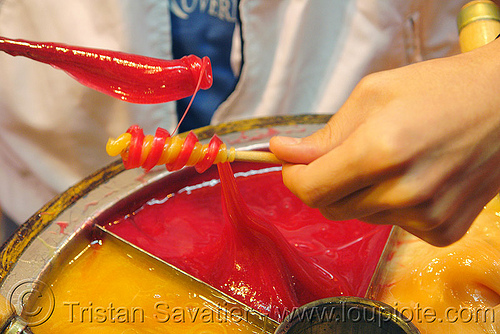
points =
(138, 150)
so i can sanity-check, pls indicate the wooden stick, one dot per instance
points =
(257, 156)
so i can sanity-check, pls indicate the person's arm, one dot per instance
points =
(417, 146)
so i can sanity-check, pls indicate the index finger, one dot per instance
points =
(347, 168)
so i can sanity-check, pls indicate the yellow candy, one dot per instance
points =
(116, 289)
(116, 146)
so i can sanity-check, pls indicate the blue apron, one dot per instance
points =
(205, 28)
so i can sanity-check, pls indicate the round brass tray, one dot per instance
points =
(35, 247)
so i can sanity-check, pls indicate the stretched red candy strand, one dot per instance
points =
(262, 246)
(132, 78)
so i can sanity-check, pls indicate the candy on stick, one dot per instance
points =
(138, 150)
(132, 78)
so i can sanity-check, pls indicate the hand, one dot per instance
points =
(417, 147)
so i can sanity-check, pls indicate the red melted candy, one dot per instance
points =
(261, 245)
(129, 77)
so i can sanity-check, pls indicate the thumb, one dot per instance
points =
(307, 149)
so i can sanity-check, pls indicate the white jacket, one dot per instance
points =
(300, 56)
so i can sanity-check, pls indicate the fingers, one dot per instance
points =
(447, 232)
(440, 220)
(308, 149)
(340, 172)
(435, 199)
(416, 184)
(303, 150)
(463, 216)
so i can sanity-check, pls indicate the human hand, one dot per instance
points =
(417, 147)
